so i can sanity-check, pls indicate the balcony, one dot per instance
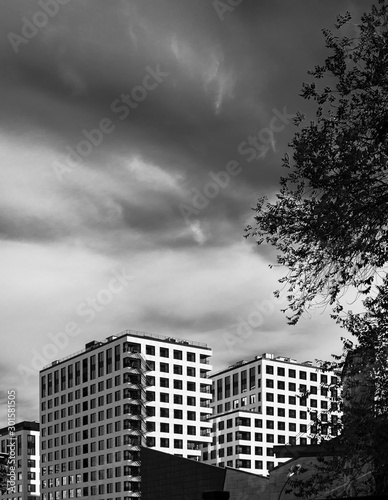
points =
(193, 446)
(243, 450)
(243, 436)
(245, 422)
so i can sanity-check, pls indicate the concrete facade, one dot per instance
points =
(101, 405)
(22, 447)
(263, 402)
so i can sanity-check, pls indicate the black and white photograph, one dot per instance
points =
(194, 249)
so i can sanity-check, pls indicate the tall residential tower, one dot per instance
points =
(264, 402)
(22, 448)
(100, 405)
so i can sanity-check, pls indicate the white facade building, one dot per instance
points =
(22, 447)
(264, 402)
(100, 405)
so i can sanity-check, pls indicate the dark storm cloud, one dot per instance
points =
(227, 81)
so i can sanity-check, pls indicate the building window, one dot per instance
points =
(235, 384)
(164, 427)
(227, 387)
(150, 350)
(163, 352)
(190, 356)
(31, 448)
(191, 386)
(243, 376)
(292, 374)
(252, 379)
(178, 414)
(190, 371)
(281, 371)
(164, 382)
(177, 354)
(165, 413)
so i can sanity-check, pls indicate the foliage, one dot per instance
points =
(329, 221)
(329, 226)
(356, 462)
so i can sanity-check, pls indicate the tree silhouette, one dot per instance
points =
(329, 221)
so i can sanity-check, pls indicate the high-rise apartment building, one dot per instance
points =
(23, 467)
(265, 402)
(100, 405)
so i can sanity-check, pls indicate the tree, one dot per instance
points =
(3, 473)
(329, 221)
(329, 225)
(356, 461)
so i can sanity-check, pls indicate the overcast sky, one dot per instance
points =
(135, 136)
